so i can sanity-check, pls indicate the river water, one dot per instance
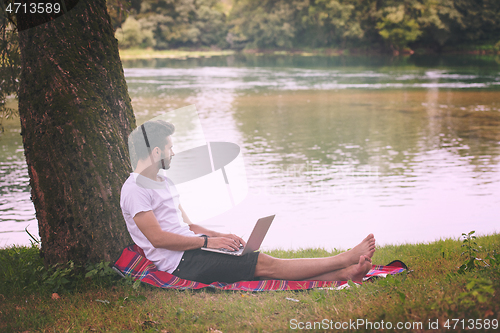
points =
(336, 147)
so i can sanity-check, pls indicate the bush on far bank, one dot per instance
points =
(390, 25)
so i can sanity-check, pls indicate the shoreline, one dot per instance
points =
(144, 54)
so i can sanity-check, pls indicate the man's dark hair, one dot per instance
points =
(154, 133)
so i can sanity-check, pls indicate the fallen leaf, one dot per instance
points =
(214, 330)
(56, 296)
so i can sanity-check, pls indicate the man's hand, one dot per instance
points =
(213, 234)
(225, 241)
(237, 239)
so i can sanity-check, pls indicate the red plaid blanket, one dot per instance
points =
(133, 263)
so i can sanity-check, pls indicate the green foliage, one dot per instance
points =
(397, 27)
(478, 290)
(348, 23)
(23, 270)
(118, 11)
(60, 277)
(69, 277)
(132, 298)
(264, 24)
(103, 275)
(333, 22)
(394, 284)
(389, 25)
(472, 262)
(479, 20)
(20, 269)
(174, 23)
(494, 261)
(437, 22)
(319, 296)
(10, 68)
(131, 34)
(469, 242)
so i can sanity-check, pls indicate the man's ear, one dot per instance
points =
(156, 152)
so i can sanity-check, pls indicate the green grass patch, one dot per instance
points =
(132, 54)
(95, 300)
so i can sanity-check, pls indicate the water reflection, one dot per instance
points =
(407, 152)
(261, 79)
(336, 147)
(16, 209)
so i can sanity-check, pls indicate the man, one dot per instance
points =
(159, 225)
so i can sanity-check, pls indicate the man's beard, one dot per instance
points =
(164, 163)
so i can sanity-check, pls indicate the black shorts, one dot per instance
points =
(207, 267)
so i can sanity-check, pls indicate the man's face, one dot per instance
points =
(167, 153)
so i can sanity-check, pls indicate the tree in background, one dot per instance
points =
(211, 23)
(387, 25)
(10, 64)
(75, 119)
(398, 25)
(264, 24)
(119, 10)
(436, 21)
(479, 21)
(331, 23)
(132, 34)
(163, 24)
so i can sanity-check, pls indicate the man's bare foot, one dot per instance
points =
(358, 271)
(365, 248)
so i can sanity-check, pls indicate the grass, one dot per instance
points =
(132, 54)
(138, 53)
(432, 291)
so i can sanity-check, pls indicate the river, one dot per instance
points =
(336, 147)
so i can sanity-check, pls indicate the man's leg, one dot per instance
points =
(328, 269)
(354, 272)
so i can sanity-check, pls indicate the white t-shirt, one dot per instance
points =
(141, 194)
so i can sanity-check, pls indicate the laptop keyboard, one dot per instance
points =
(226, 250)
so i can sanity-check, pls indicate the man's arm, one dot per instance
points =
(149, 226)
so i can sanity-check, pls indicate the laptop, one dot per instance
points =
(254, 241)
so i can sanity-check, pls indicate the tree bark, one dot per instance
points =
(76, 115)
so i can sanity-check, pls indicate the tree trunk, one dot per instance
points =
(76, 115)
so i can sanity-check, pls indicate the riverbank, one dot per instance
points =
(432, 292)
(141, 54)
(136, 54)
